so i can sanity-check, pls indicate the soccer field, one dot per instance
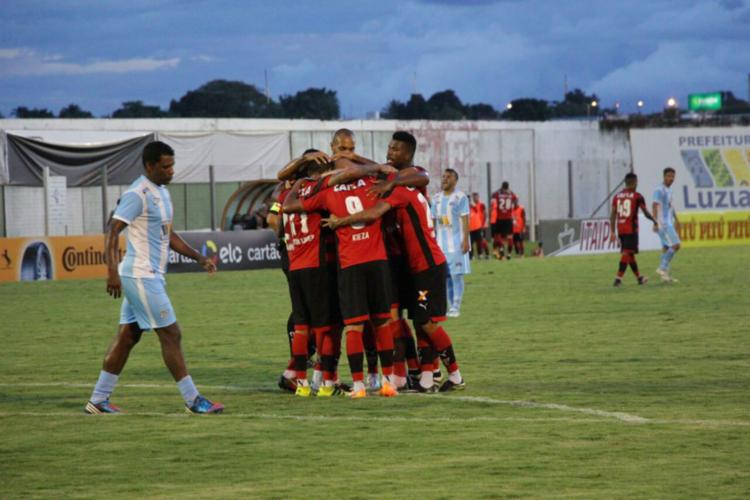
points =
(574, 389)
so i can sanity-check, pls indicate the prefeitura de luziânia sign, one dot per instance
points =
(710, 101)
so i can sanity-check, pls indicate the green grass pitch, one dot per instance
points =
(574, 390)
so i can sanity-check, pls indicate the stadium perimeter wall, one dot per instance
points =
(560, 169)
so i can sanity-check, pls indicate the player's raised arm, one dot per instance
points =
(291, 168)
(180, 246)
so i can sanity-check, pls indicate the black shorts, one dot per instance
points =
(629, 242)
(401, 284)
(503, 227)
(315, 301)
(430, 298)
(365, 292)
(517, 237)
(476, 236)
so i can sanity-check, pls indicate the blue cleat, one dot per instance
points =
(202, 406)
(105, 407)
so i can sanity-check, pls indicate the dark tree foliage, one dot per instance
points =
(576, 104)
(314, 103)
(528, 109)
(224, 99)
(24, 112)
(74, 111)
(136, 109)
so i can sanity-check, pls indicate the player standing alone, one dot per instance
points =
(668, 224)
(452, 228)
(624, 216)
(504, 202)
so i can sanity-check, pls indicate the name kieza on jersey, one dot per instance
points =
(360, 236)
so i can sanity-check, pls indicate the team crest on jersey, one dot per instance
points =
(422, 295)
(163, 314)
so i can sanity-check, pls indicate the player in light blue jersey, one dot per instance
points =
(666, 217)
(146, 210)
(451, 213)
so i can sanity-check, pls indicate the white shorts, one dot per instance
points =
(146, 302)
(668, 236)
(458, 263)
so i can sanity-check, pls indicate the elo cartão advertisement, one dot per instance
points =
(711, 191)
(82, 257)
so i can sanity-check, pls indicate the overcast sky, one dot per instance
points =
(100, 53)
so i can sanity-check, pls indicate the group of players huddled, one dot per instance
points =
(359, 249)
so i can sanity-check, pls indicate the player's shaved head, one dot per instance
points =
(631, 179)
(343, 140)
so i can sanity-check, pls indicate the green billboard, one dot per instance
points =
(705, 102)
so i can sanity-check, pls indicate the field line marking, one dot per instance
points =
(600, 414)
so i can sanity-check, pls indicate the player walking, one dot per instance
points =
(624, 216)
(146, 210)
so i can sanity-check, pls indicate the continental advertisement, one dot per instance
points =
(711, 191)
(82, 257)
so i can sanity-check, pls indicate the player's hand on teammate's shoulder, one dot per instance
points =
(318, 157)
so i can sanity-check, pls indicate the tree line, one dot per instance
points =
(236, 99)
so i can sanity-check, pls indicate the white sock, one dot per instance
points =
(455, 377)
(290, 374)
(187, 389)
(104, 387)
(399, 381)
(303, 382)
(358, 386)
(317, 379)
(426, 380)
(328, 383)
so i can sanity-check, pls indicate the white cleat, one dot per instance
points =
(664, 275)
(453, 313)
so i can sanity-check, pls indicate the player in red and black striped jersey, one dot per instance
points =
(504, 202)
(363, 285)
(312, 287)
(400, 155)
(624, 216)
(428, 270)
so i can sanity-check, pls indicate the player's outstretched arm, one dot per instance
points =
(364, 217)
(408, 177)
(112, 246)
(346, 171)
(180, 246)
(655, 211)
